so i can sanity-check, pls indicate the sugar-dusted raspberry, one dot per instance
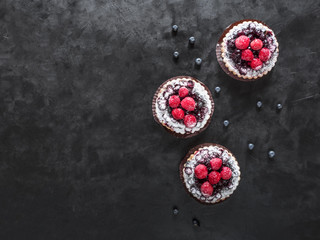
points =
(201, 171)
(177, 113)
(256, 44)
(215, 163)
(214, 177)
(190, 121)
(226, 173)
(256, 64)
(264, 54)
(242, 42)
(247, 55)
(183, 92)
(206, 189)
(174, 101)
(188, 103)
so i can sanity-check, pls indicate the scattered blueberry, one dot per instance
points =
(175, 28)
(250, 146)
(176, 54)
(195, 222)
(226, 123)
(259, 104)
(271, 154)
(217, 89)
(192, 40)
(279, 106)
(175, 211)
(198, 61)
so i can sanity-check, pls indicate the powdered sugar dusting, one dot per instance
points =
(204, 154)
(247, 72)
(163, 114)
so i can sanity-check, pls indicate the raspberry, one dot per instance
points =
(201, 171)
(190, 121)
(256, 64)
(247, 55)
(183, 92)
(242, 42)
(264, 54)
(177, 113)
(174, 101)
(206, 189)
(226, 173)
(215, 163)
(256, 44)
(214, 177)
(188, 104)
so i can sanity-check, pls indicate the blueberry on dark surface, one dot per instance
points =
(259, 104)
(192, 40)
(195, 222)
(175, 211)
(250, 146)
(175, 28)
(198, 61)
(271, 154)
(176, 54)
(279, 106)
(217, 89)
(226, 123)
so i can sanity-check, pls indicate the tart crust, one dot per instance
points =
(190, 155)
(221, 50)
(170, 129)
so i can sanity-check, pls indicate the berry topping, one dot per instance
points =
(190, 121)
(247, 55)
(174, 101)
(242, 42)
(206, 189)
(256, 64)
(201, 171)
(214, 177)
(176, 54)
(188, 103)
(192, 40)
(175, 28)
(226, 173)
(256, 44)
(177, 113)
(264, 54)
(215, 163)
(183, 92)
(198, 61)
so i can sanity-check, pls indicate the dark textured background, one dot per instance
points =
(82, 157)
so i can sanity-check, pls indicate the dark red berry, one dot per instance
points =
(201, 171)
(177, 113)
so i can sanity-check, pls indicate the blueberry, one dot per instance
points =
(217, 89)
(271, 154)
(279, 106)
(198, 61)
(192, 40)
(175, 211)
(175, 28)
(176, 54)
(226, 123)
(259, 104)
(250, 146)
(195, 222)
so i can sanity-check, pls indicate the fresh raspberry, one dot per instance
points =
(256, 64)
(183, 92)
(174, 101)
(226, 173)
(177, 113)
(190, 121)
(242, 42)
(206, 189)
(188, 104)
(215, 163)
(264, 54)
(247, 55)
(256, 44)
(201, 171)
(214, 177)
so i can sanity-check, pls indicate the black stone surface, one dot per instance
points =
(81, 156)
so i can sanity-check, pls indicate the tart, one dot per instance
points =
(247, 50)
(183, 106)
(210, 173)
